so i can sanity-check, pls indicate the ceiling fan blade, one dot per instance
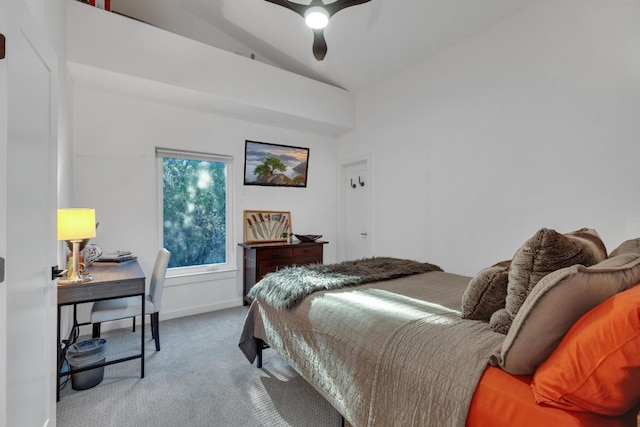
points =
(300, 9)
(319, 44)
(337, 6)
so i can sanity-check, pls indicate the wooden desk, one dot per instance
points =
(110, 280)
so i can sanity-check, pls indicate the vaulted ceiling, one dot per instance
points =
(366, 43)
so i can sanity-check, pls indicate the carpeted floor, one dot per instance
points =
(199, 378)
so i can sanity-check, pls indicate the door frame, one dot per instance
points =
(341, 232)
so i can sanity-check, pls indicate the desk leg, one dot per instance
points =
(75, 327)
(142, 338)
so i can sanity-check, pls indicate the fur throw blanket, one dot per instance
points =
(285, 288)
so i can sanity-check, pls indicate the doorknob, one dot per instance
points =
(1, 269)
(363, 234)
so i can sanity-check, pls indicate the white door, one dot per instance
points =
(356, 205)
(3, 221)
(30, 218)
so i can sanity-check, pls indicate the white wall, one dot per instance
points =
(123, 110)
(532, 123)
(115, 170)
(154, 63)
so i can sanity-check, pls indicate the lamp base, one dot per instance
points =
(74, 280)
(76, 276)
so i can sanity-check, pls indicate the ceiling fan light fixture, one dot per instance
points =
(316, 17)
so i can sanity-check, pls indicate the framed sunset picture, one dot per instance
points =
(275, 165)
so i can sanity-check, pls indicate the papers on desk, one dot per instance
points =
(118, 256)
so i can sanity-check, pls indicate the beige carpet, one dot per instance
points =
(199, 378)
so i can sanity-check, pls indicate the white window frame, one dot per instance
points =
(230, 263)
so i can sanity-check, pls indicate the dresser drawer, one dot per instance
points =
(311, 251)
(265, 267)
(275, 253)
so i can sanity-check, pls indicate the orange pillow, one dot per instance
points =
(596, 366)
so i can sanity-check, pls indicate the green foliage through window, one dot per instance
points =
(194, 211)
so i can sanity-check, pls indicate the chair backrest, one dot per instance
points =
(157, 278)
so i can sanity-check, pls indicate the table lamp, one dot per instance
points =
(75, 225)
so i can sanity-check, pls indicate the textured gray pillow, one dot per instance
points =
(545, 252)
(632, 246)
(555, 304)
(486, 292)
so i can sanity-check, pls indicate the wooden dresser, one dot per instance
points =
(263, 258)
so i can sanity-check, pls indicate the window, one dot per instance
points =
(195, 209)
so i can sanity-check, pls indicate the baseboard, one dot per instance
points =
(164, 315)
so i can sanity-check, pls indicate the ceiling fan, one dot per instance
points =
(316, 15)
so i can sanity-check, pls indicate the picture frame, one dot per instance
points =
(266, 226)
(275, 165)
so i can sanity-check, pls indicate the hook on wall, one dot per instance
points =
(352, 184)
(360, 182)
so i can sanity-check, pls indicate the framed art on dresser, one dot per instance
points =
(266, 226)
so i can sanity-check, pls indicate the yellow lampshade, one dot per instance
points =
(76, 223)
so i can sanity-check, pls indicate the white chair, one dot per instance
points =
(123, 308)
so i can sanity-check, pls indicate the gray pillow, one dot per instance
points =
(555, 304)
(544, 252)
(486, 292)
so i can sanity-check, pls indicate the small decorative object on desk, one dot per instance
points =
(308, 237)
(91, 253)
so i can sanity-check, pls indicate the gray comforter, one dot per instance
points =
(383, 354)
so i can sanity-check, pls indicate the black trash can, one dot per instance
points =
(86, 353)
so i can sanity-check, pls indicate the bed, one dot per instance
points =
(400, 352)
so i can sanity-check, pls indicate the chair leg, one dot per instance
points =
(155, 328)
(96, 330)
